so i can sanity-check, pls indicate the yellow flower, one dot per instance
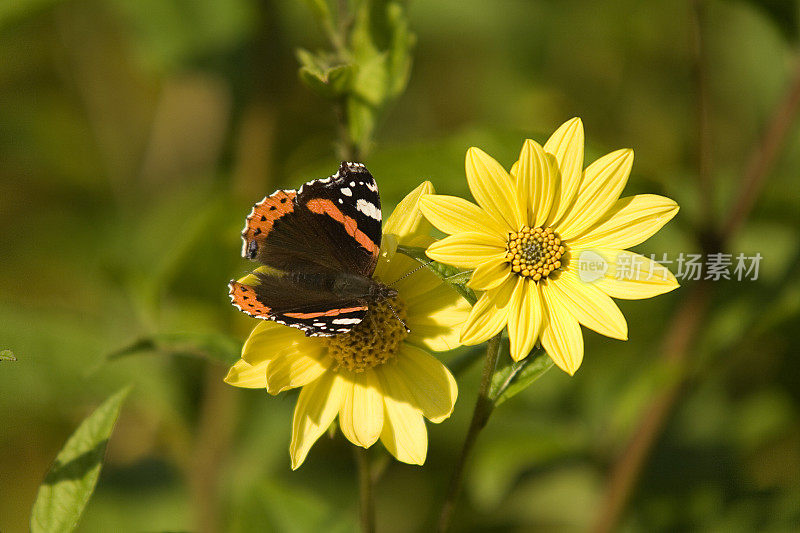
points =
(378, 379)
(547, 244)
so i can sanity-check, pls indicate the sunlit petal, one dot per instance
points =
(269, 339)
(566, 146)
(466, 250)
(404, 434)
(561, 334)
(626, 275)
(429, 384)
(406, 221)
(630, 221)
(243, 374)
(536, 181)
(491, 273)
(589, 305)
(489, 315)
(452, 214)
(600, 187)
(435, 318)
(316, 408)
(525, 319)
(293, 368)
(361, 413)
(492, 188)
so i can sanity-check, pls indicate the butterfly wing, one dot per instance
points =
(262, 218)
(279, 298)
(332, 223)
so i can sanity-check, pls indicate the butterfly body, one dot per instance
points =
(321, 245)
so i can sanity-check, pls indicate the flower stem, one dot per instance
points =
(480, 416)
(366, 503)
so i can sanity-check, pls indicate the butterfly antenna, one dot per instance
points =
(397, 316)
(414, 271)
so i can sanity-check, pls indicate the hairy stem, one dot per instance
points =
(480, 416)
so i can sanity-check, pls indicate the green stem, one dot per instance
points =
(366, 504)
(480, 416)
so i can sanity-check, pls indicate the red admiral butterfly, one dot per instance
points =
(322, 242)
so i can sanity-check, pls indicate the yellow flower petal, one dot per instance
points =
(466, 250)
(490, 274)
(536, 181)
(452, 214)
(251, 279)
(404, 434)
(422, 281)
(489, 315)
(428, 383)
(391, 265)
(243, 374)
(566, 144)
(269, 339)
(492, 188)
(294, 368)
(435, 318)
(601, 186)
(525, 319)
(317, 406)
(588, 304)
(406, 221)
(561, 335)
(630, 221)
(629, 276)
(361, 413)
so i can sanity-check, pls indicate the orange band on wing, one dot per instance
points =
(326, 207)
(332, 312)
(266, 212)
(244, 298)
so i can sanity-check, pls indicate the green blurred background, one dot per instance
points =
(135, 135)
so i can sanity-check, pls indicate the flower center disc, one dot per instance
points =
(373, 341)
(534, 253)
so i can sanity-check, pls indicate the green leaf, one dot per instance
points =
(403, 41)
(455, 277)
(215, 347)
(380, 44)
(7, 355)
(372, 82)
(71, 481)
(323, 75)
(361, 121)
(321, 11)
(515, 377)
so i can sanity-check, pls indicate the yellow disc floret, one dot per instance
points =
(534, 253)
(373, 341)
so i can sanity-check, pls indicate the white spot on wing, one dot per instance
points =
(346, 191)
(369, 209)
(346, 320)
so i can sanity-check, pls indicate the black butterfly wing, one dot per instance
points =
(313, 309)
(346, 208)
(331, 224)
